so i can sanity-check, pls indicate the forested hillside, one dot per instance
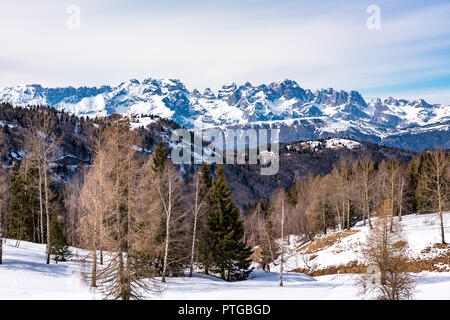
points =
(107, 185)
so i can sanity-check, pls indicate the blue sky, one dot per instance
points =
(319, 44)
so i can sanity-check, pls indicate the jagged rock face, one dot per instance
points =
(328, 112)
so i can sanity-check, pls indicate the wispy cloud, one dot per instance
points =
(204, 43)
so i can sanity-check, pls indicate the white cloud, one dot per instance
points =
(208, 46)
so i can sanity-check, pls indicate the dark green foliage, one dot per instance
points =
(204, 237)
(293, 194)
(229, 252)
(160, 157)
(59, 249)
(24, 205)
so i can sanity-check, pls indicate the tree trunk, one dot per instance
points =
(41, 209)
(193, 246)
(348, 212)
(392, 206)
(47, 213)
(441, 218)
(400, 202)
(168, 216)
(121, 279)
(368, 206)
(282, 244)
(94, 269)
(166, 250)
(339, 215)
(196, 209)
(1, 236)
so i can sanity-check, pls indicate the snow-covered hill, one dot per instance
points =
(341, 250)
(300, 113)
(331, 143)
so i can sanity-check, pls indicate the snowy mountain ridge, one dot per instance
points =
(323, 113)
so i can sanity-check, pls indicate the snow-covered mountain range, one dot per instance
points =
(300, 113)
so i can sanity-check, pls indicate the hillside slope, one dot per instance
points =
(24, 275)
(340, 251)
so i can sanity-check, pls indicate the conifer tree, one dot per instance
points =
(4, 199)
(204, 245)
(58, 245)
(22, 206)
(160, 158)
(229, 252)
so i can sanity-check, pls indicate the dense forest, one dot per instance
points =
(99, 185)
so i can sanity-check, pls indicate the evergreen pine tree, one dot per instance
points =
(58, 247)
(23, 205)
(230, 253)
(160, 157)
(204, 238)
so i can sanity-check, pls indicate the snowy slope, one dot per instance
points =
(24, 275)
(339, 249)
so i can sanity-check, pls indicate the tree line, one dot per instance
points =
(353, 191)
(142, 219)
(131, 211)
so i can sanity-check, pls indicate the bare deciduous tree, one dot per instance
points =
(198, 210)
(169, 190)
(118, 218)
(434, 185)
(41, 145)
(387, 251)
(4, 198)
(365, 181)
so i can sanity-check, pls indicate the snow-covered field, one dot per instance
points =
(24, 275)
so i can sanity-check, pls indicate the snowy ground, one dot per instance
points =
(24, 274)
(421, 231)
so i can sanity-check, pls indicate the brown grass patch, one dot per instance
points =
(256, 255)
(352, 267)
(325, 241)
(440, 263)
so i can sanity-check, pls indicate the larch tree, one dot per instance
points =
(41, 144)
(279, 222)
(392, 169)
(365, 172)
(118, 217)
(4, 199)
(96, 201)
(386, 252)
(259, 234)
(434, 185)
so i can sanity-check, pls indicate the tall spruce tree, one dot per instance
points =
(230, 254)
(23, 204)
(204, 238)
(160, 158)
